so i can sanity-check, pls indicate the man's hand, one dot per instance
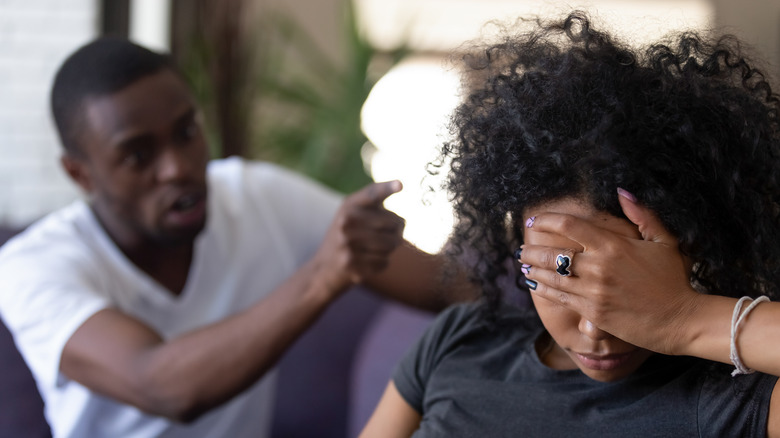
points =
(181, 378)
(361, 238)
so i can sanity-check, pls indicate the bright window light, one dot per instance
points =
(442, 25)
(405, 117)
(406, 114)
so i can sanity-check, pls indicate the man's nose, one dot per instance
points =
(174, 165)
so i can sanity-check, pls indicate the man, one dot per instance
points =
(156, 307)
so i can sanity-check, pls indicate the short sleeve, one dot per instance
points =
(46, 293)
(734, 406)
(413, 372)
(303, 209)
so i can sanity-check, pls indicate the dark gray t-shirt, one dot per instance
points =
(469, 381)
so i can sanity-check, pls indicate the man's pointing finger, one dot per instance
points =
(374, 194)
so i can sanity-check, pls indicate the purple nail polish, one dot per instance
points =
(525, 269)
(530, 222)
(626, 194)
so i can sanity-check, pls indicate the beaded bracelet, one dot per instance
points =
(736, 321)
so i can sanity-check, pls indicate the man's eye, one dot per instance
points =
(136, 157)
(188, 131)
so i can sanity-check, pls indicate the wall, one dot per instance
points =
(757, 22)
(35, 37)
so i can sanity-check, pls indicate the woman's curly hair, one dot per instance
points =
(688, 126)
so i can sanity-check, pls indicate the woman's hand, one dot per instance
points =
(637, 290)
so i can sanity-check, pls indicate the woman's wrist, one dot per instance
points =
(707, 329)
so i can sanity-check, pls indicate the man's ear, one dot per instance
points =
(78, 171)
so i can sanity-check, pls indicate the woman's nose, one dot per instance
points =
(590, 330)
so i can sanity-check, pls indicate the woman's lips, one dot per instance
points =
(603, 362)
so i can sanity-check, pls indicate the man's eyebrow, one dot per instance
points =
(187, 115)
(134, 141)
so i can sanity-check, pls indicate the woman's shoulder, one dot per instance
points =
(478, 317)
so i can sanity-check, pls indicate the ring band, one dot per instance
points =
(563, 265)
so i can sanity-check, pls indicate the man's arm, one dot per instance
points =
(426, 281)
(120, 357)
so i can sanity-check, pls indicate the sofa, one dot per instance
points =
(328, 382)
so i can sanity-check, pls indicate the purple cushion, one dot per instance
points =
(312, 397)
(21, 407)
(391, 333)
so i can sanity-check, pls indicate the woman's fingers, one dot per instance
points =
(650, 226)
(632, 285)
(557, 260)
(552, 286)
(586, 234)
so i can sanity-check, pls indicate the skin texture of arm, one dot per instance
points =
(638, 290)
(392, 418)
(182, 378)
(118, 356)
(421, 280)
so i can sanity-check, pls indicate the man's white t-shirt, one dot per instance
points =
(263, 223)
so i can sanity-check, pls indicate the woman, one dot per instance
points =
(563, 134)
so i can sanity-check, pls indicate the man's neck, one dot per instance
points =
(166, 263)
(169, 266)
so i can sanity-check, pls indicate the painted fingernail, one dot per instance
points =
(531, 284)
(530, 222)
(626, 194)
(525, 269)
(518, 252)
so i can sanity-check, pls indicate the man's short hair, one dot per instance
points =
(101, 67)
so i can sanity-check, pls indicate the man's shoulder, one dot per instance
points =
(236, 183)
(67, 230)
(238, 169)
(240, 172)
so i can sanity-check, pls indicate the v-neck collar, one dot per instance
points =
(148, 286)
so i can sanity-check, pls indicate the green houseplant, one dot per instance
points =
(270, 92)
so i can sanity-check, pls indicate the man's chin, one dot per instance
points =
(177, 236)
